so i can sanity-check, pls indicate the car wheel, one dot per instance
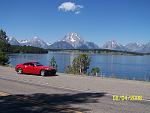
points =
(42, 73)
(53, 72)
(19, 71)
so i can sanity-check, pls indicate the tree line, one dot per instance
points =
(100, 51)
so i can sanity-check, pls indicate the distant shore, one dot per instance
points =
(99, 51)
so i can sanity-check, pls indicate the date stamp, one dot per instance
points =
(127, 98)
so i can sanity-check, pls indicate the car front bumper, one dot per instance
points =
(50, 72)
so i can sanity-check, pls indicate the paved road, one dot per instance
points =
(35, 94)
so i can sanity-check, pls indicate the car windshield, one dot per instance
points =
(37, 64)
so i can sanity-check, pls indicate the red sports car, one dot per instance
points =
(35, 68)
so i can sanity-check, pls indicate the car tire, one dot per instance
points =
(19, 71)
(42, 72)
(53, 72)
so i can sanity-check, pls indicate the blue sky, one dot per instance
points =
(95, 20)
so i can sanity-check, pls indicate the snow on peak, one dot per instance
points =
(13, 41)
(72, 37)
(139, 44)
(23, 41)
(112, 44)
(35, 41)
(11, 38)
(35, 37)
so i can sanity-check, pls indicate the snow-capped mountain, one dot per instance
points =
(49, 43)
(78, 43)
(74, 39)
(35, 42)
(113, 45)
(134, 47)
(13, 41)
(61, 45)
(145, 48)
(131, 47)
(91, 45)
(24, 42)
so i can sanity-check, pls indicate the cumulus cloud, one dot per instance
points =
(70, 6)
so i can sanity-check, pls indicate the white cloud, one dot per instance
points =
(70, 6)
(77, 12)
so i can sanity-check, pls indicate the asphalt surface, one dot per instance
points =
(59, 94)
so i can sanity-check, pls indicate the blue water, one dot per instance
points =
(128, 67)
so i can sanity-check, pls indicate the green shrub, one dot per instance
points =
(95, 71)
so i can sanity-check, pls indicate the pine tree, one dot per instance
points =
(3, 36)
(53, 62)
(3, 58)
(79, 65)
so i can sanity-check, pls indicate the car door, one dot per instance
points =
(28, 68)
(25, 68)
(36, 69)
(31, 68)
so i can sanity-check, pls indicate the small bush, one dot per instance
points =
(95, 71)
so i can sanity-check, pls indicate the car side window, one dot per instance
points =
(25, 64)
(28, 64)
(32, 64)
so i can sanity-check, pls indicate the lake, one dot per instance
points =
(119, 66)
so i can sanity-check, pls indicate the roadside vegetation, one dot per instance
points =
(3, 48)
(3, 58)
(53, 63)
(80, 66)
(95, 71)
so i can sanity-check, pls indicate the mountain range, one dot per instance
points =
(35, 41)
(74, 41)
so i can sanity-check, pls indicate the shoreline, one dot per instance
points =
(100, 76)
(86, 76)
